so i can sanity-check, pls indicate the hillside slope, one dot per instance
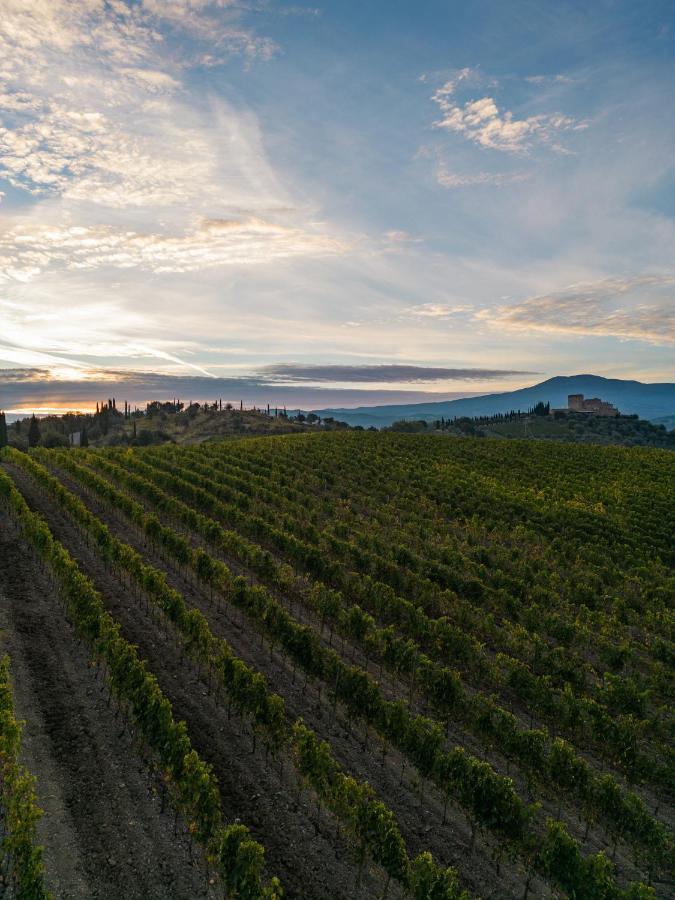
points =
(452, 649)
(649, 401)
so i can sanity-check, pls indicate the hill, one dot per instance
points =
(626, 431)
(649, 401)
(164, 422)
(436, 669)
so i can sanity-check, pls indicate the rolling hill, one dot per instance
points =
(649, 401)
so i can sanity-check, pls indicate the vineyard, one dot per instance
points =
(337, 665)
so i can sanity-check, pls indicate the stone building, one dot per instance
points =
(577, 403)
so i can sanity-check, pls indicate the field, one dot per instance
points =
(406, 667)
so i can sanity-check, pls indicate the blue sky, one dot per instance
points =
(195, 188)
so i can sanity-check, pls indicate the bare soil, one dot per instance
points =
(260, 807)
(102, 831)
(593, 840)
(302, 848)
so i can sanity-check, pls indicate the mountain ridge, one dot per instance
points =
(647, 400)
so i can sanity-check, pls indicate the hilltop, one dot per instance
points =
(649, 401)
(576, 428)
(166, 423)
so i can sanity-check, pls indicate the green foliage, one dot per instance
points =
(477, 572)
(34, 434)
(372, 824)
(237, 858)
(52, 439)
(21, 856)
(428, 882)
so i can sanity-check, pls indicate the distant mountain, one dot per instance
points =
(649, 401)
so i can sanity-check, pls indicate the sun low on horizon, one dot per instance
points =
(341, 201)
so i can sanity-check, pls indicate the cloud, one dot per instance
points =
(401, 237)
(482, 122)
(27, 250)
(92, 105)
(640, 308)
(30, 388)
(122, 31)
(289, 372)
(455, 180)
(437, 310)
(86, 155)
(204, 19)
(549, 79)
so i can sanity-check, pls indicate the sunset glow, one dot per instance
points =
(213, 188)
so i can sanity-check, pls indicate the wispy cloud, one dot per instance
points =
(92, 106)
(28, 389)
(26, 251)
(437, 310)
(640, 308)
(482, 121)
(457, 180)
(401, 237)
(549, 79)
(337, 374)
(204, 19)
(167, 170)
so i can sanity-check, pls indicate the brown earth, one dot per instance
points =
(102, 830)
(311, 863)
(552, 804)
(268, 806)
(420, 821)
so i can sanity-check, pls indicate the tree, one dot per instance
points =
(33, 432)
(84, 438)
(53, 439)
(3, 430)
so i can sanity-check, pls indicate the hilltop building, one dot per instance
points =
(577, 403)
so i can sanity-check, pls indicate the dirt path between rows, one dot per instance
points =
(102, 830)
(301, 847)
(420, 822)
(593, 841)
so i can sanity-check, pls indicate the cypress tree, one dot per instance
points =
(3, 430)
(84, 438)
(33, 432)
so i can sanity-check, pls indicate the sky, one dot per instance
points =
(343, 201)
